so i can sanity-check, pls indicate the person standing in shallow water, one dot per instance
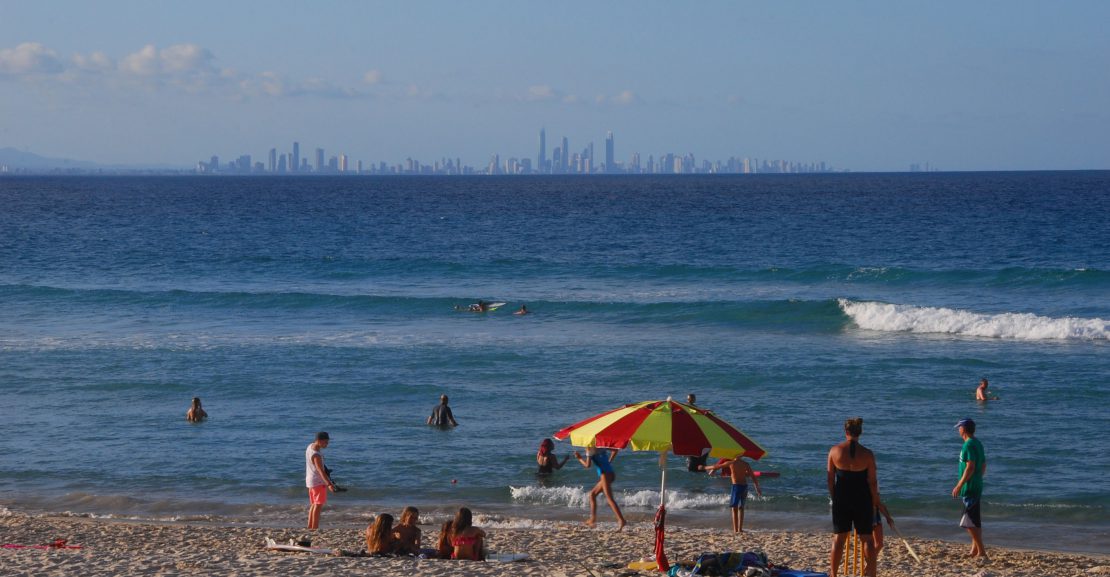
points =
(973, 465)
(195, 414)
(854, 490)
(441, 415)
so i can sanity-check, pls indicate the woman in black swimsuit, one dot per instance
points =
(854, 490)
(546, 459)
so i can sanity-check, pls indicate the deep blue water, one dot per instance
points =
(787, 303)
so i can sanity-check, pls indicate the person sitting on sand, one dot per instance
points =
(547, 460)
(406, 535)
(523, 310)
(601, 459)
(195, 414)
(982, 394)
(379, 536)
(444, 549)
(468, 541)
(740, 471)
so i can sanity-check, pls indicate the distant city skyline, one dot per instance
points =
(870, 85)
(563, 160)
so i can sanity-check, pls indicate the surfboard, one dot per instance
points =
(766, 474)
(507, 557)
(275, 546)
(490, 307)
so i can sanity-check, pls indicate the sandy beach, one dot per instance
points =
(131, 548)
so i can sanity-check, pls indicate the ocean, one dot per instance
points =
(787, 303)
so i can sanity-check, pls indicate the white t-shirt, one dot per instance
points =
(312, 477)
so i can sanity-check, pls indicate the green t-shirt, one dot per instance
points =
(973, 451)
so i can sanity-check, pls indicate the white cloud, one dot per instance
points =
(625, 98)
(541, 92)
(187, 67)
(29, 58)
(184, 65)
(95, 62)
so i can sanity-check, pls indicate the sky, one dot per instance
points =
(863, 85)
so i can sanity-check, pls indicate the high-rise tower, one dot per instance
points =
(542, 160)
(566, 156)
(296, 164)
(609, 166)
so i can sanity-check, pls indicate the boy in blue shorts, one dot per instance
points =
(740, 471)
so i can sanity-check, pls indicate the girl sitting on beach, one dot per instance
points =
(407, 535)
(468, 540)
(444, 548)
(379, 536)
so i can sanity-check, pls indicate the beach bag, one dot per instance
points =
(754, 559)
(717, 564)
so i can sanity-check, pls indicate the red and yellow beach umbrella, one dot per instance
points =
(664, 427)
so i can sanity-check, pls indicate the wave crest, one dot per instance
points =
(886, 317)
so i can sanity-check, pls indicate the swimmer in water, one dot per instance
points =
(195, 414)
(523, 310)
(982, 394)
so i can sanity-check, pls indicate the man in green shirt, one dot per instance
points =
(973, 464)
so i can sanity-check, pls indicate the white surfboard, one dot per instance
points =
(275, 546)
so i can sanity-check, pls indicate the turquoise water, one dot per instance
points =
(786, 303)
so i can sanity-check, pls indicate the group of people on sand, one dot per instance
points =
(458, 537)
(851, 474)
(852, 478)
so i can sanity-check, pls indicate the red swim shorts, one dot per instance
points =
(318, 495)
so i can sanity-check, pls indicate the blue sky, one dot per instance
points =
(864, 85)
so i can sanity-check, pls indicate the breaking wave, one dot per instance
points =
(885, 317)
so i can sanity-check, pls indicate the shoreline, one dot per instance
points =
(130, 547)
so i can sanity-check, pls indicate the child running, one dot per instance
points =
(601, 459)
(740, 471)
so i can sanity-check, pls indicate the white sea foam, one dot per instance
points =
(1021, 326)
(578, 497)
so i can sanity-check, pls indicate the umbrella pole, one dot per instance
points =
(660, 555)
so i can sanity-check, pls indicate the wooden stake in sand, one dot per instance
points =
(853, 555)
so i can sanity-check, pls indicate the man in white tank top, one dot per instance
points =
(316, 479)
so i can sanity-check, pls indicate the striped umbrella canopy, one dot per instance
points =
(663, 426)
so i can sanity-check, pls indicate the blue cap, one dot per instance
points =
(964, 422)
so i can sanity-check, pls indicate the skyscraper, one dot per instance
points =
(296, 163)
(542, 160)
(319, 160)
(273, 160)
(566, 156)
(610, 167)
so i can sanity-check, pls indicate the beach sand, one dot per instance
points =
(132, 548)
